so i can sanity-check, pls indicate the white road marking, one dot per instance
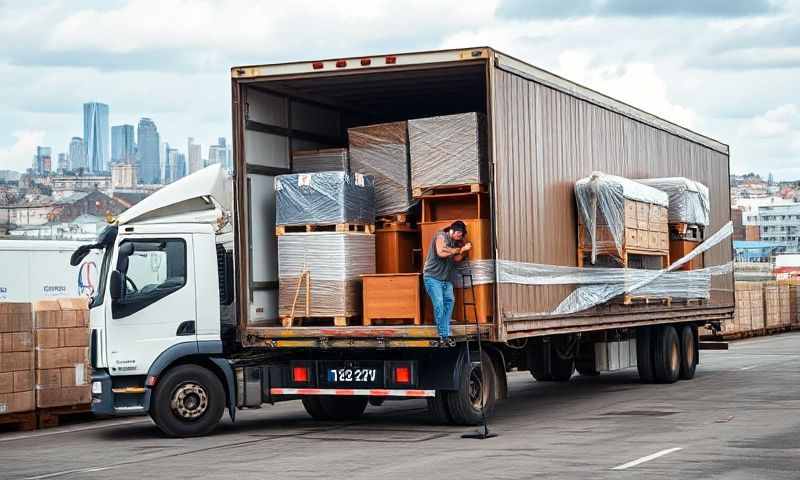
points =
(60, 431)
(653, 456)
(748, 368)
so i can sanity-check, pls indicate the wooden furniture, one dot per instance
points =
(683, 238)
(454, 206)
(391, 297)
(395, 246)
(479, 233)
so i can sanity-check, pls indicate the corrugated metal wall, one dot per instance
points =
(544, 141)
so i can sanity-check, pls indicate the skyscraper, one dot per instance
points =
(122, 145)
(95, 136)
(180, 166)
(63, 162)
(149, 166)
(220, 154)
(195, 156)
(44, 160)
(77, 154)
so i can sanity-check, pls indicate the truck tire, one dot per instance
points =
(464, 404)
(667, 355)
(314, 408)
(437, 406)
(561, 369)
(537, 362)
(689, 352)
(343, 408)
(188, 401)
(644, 354)
(586, 369)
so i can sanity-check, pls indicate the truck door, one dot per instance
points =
(156, 307)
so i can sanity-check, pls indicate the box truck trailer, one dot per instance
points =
(199, 331)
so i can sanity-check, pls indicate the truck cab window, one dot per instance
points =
(154, 269)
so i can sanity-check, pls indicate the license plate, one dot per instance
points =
(352, 375)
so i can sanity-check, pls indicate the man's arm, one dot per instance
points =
(461, 252)
(443, 250)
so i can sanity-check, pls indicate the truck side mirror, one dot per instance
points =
(125, 250)
(115, 286)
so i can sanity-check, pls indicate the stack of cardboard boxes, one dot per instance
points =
(16, 358)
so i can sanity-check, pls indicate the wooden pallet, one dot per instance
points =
(646, 300)
(338, 228)
(338, 321)
(18, 422)
(52, 417)
(446, 189)
(393, 221)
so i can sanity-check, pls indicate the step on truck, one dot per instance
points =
(184, 320)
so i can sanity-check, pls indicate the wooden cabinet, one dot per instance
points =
(390, 298)
(397, 249)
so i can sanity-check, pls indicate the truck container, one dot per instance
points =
(208, 335)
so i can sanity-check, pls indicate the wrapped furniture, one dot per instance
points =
(324, 160)
(382, 152)
(319, 274)
(618, 217)
(324, 198)
(447, 150)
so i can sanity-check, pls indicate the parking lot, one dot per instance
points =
(739, 418)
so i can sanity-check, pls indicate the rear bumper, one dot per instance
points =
(349, 392)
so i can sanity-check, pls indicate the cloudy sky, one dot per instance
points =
(727, 68)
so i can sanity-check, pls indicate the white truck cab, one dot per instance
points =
(159, 298)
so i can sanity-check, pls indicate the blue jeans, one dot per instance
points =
(443, 300)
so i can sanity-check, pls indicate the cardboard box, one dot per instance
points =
(57, 397)
(61, 357)
(13, 361)
(16, 342)
(17, 402)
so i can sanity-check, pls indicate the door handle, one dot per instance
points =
(185, 328)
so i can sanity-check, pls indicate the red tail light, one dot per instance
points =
(317, 65)
(300, 374)
(341, 63)
(391, 60)
(402, 375)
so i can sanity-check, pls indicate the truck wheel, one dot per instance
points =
(586, 369)
(688, 352)
(477, 385)
(437, 406)
(188, 401)
(343, 408)
(644, 354)
(667, 355)
(314, 408)
(537, 362)
(561, 369)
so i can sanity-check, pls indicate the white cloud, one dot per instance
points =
(19, 156)
(779, 121)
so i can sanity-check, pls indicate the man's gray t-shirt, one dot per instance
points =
(438, 267)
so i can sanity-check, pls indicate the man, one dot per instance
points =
(447, 248)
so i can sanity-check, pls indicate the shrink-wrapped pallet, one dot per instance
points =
(16, 358)
(448, 150)
(382, 152)
(63, 373)
(688, 199)
(615, 213)
(332, 264)
(776, 305)
(324, 198)
(323, 160)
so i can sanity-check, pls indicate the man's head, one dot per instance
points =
(458, 230)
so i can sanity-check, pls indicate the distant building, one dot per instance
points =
(9, 176)
(122, 144)
(77, 154)
(174, 165)
(220, 154)
(63, 162)
(780, 223)
(148, 164)
(95, 136)
(180, 166)
(43, 161)
(123, 175)
(65, 185)
(195, 155)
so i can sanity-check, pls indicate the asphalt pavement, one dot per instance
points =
(738, 419)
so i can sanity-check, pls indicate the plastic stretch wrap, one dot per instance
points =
(324, 198)
(688, 200)
(324, 160)
(601, 199)
(598, 285)
(382, 151)
(448, 150)
(334, 263)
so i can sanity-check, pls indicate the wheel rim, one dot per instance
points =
(478, 389)
(675, 358)
(189, 401)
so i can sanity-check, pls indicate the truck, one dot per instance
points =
(34, 269)
(196, 331)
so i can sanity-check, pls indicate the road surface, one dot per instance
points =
(738, 419)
